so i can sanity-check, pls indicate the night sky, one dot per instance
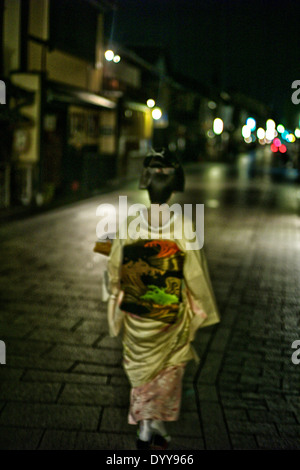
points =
(247, 45)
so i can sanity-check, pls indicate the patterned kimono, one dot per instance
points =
(164, 295)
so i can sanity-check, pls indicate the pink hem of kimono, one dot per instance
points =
(159, 399)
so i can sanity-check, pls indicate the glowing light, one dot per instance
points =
(212, 105)
(215, 172)
(282, 148)
(218, 126)
(260, 133)
(172, 146)
(116, 59)
(212, 203)
(109, 55)
(270, 124)
(284, 135)
(181, 143)
(262, 141)
(128, 113)
(277, 142)
(156, 114)
(248, 140)
(246, 132)
(297, 133)
(291, 138)
(274, 148)
(150, 103)
(251, 123)
(280, 128)
(270, 134)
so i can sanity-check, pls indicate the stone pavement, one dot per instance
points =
(63, 386)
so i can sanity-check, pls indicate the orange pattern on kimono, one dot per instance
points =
(151, 279)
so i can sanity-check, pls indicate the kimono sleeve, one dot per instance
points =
(114, 265)
(114, 315)
(198, 283)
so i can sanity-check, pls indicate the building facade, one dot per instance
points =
(56, 53)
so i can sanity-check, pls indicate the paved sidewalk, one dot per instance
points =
(63, 386)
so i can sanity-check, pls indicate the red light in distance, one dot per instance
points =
(282, 148)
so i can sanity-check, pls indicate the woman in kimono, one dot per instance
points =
(160, 294)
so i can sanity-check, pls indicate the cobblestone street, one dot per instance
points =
(63, 386)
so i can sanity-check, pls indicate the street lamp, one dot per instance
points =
(291, 138)
(260, 133)
(156, 114)
(246, 132)
(109, 55)
(270, 124)
(218, 126)
(251, 123)
(150, 103)
(280, 128)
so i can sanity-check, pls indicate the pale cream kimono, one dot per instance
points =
(150, 346)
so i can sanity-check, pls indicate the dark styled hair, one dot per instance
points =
(162, 175)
